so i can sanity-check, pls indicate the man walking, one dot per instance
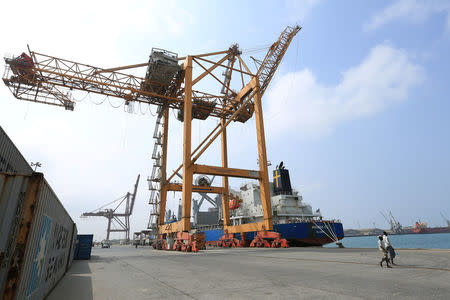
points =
(388, 247)
(384, 253)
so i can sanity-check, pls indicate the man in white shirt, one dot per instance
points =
(383, 252)
(388, 247)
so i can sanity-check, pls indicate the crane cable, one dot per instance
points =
(150, 110)
(145, 112)
(123, 199)
(109, 100)
(84, 98)
(118, 199)
(256, 49)
(328, 226)
(314, 222)
(99, 103)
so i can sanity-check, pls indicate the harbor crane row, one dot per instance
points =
(120, 221)
(395, 226)
(167, 84)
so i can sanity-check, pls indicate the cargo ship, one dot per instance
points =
(292, 218)
(422, 227)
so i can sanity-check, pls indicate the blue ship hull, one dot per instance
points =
(297, 234)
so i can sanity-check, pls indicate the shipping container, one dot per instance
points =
(11, 160)
(12, 193)
(83, 246)
(73, 246)
(37, 248)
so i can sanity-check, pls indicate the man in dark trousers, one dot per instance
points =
(384, 253)
(388, 246)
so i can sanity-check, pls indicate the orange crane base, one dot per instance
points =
(228, 240)
(186, 242)
(269, 239)
(160, 244)
(183, 241)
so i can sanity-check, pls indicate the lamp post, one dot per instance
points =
(36, 165)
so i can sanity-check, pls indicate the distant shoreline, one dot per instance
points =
(405, 233)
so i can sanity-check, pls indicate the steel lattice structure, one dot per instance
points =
(49, 80)
(121, 220)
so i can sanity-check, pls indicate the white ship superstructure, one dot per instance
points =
(286, 208)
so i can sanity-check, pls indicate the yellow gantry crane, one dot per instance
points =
(168, 84)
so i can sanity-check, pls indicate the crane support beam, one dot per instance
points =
(249, 227)
(225, 183)
(188, 173)
(229, 172)
(196, 188)
(207, 54)
(146, 64)
(210, 69)
(262, 153)
(121, 68)
(226, 67)
(171, 227)
(263, 179)
(246, 90)
(94, 214)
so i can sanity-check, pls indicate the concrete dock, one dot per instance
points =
(123, 272)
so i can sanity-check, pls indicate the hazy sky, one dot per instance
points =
(358, 110)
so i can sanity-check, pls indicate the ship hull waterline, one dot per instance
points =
(300, 234)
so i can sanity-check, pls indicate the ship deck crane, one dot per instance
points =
(50, 80)
(396, 227)
(121, 221)
(445, 219)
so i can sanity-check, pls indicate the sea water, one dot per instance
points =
(430, 241)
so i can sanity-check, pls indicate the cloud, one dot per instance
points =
(299, 10)
(412, 11)
(298, 104)
(92, 27)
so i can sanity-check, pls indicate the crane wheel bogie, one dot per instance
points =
(269, 239)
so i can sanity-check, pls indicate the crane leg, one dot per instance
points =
(188, 171)
(243, 242)
(108, 231)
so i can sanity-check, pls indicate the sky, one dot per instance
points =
(358, 109)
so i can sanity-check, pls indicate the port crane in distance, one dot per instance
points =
(396, 227)
(47, 79)
(121, 220)
(445, 219)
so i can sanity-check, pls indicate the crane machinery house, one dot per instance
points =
(161, 70)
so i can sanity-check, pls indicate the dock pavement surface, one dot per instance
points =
(124, 272)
